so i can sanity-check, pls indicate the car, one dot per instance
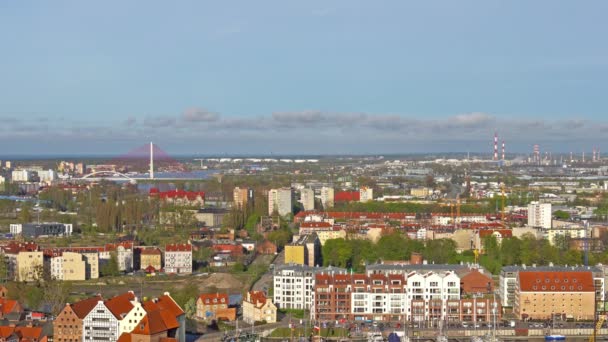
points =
(465, 324)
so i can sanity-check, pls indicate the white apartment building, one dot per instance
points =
(327, 197)
(366, 194)
(279, 200)
(539, 215)
(22, 175)
(293, 285)
(574, 232)
(47, 176)
(446, 219)
(100, 325)
(307, 198)
(178, 258)
(2, 180)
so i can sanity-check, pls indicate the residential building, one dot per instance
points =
(507, 281)
(313, 227)
(180, 197)
(178, 258)
(73, 267)
(394, 297)
(22, 175)
(241, 197)
(366, 194)
(34, 230)
(165, 306)
(70, 267)
(47, 176)
(331, 234)
(258, 308)
(266, 247)
(327, 197)
(347, 196)
(568, 232)
(421, 192)
(67, 326)
(29, 266)
(306, 250)
(8, 307)
(279, 201)
(293, 285)
(539, 215)
(148, 256)
(214, 306)
(123, 251)
(542, 295)
(307, 198)
(211, 217)
(100, 324)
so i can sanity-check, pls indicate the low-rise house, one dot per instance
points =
(258, 308)
(214, 306)
(9, 306)
(148, 256)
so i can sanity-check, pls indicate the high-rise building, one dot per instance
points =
(327, 197)
(539, 215)
(240, 196)
(279, 200)
(366, 194)
(307, 198)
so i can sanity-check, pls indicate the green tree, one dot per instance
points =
(561, 215)
(25, 216)
(337, 252)
(440, 251)
(111, 269)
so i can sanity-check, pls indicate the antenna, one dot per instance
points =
(151, 160)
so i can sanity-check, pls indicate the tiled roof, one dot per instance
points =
(8, 305)
(150, 251)
(16, 247)
(503, 232)
(178, 247)
(257, 297)
(120, 305)
(315, 225)
(208, 298)
(83, 307)
(534, 281)
(190, 195)
(164, 302)
(346, 196)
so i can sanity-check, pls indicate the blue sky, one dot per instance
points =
(301, 76)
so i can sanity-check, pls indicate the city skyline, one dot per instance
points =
(319, 77)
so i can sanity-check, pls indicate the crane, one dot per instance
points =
(598, 326)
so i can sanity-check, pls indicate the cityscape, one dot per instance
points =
(303, 171)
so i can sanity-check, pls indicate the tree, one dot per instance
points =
(111, 269)
(337, 252)
(25, 216)
(561, 215)
(440, 251)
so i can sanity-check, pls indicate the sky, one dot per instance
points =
(302, 77)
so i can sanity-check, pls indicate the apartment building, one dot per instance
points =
(366, 194)
(394, 297)
(100, 324)
(541, 295)
(24, 261)
(539, 215)
(307, 198)
(306, 250)
(148, 256)
(571, 231)
(178, 258)
(293, 285)
(327, 197)
(72, 263)
(242, 196)
(507, 281)
(279, 201)
(257, 307)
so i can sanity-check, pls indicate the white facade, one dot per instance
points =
(539, 215)
(574, 232)
(280, 200)
(307, 198)
(100, 325)
(366, 194)
(327, 197)
(294, 285)
(178, 262)
(22, 176)
(131, 319)
(47, 175)
(16, 228)
(2, 180)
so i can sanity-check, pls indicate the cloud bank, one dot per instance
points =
(315, 132)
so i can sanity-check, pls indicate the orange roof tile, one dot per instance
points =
(120, 305)
(547, 281)
(83, 307)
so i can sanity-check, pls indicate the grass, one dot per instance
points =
(328, 332)
(295, 313)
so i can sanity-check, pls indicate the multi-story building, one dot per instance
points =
(366, 194)
(47, 176)
(393, 297)
(19, 268)
(34, 230)
(100, 324)
(214, 306)
(327, 197)
(307, 198)
(211, 217)
(123, 251)
(331, 234)
(257, 308)
(180, 197)
(293, 285)
(29, 266)
(421, 192)
(242, 196)
(67, 326)
(279, 201)
(22, 175)
(306, 250)
(178, 258)
(70, 267)
(539, 215)
(571, 232)
(542, 295)
(507, 281)
(148, 256)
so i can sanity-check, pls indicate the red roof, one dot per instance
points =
(9, 305)
(503, 232)
(164, 302)
(120, 305)
(150, 251)
(190, 195)
(315, 225)
(211, 298)
(257, 297)
(537, 281)
(83, 307)
(346, 196)
(16, 247)
(178, 247)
